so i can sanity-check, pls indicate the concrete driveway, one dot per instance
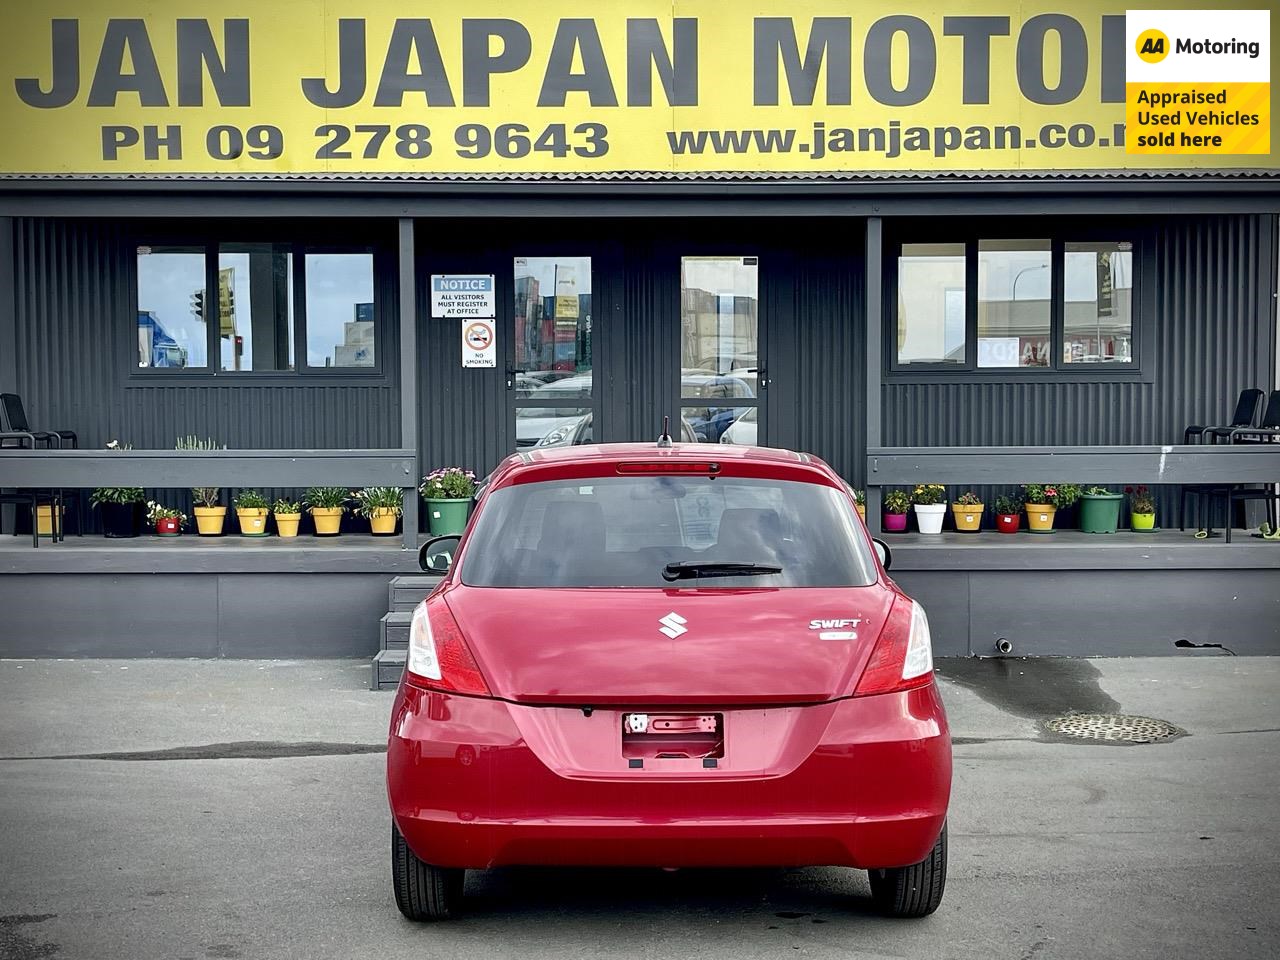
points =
(235, 809)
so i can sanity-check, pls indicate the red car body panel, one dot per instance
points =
(809, 774)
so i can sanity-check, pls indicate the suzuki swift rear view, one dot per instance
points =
(647, 656)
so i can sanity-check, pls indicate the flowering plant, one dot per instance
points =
(1140, 499)
(928, 493)
(1006, 506)
(287, 507)
(895, 501)
(448, 483)
(1053, 494)
(968, 499)
(158, 511)
(370, 500)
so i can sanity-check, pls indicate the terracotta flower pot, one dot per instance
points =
(209, 520)
(328, 520)
(287, 524)
(1040, 517)
(253, 521)
(1008, 522)
(968, 516)
(383, 521)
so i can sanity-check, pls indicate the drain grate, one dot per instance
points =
(1113, 728)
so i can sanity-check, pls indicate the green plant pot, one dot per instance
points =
(1100, 514)
(447, 517)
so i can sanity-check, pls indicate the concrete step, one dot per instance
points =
(405, 593)
(393, 630)
(388, 665)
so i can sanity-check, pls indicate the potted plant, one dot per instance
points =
(382, 506)
(167, 521)
(860, 503)
(121, 510)
(327, 505)
(251, 510)
(1043, 501)
(288, 514)
(1142, 508)
(1100, 510)
(210, 514)
(1008, 514)
(448, 492)
(896, 505)
(930, 500)
(967, 511)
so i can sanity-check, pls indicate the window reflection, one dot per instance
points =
(1098, 319)
(718, 315)
(1015, 292)
(341, 328)
(931, 303)
(171, 325)
(553, 327)
(255, 306)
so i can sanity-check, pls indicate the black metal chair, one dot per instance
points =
(1243, 416)
(1267, 431)
(14, 426)
(32, 499)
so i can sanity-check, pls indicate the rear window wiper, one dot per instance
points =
(693, 569)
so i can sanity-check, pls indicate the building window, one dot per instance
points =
(1025, 304)
(1015, 303)
(931, 303)
(271, 302)
(255, 306)
(340, 323)
(171, 326)
(1098, 303)
(719, 347)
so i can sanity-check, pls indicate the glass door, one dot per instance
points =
(549, 378)
(722, 374)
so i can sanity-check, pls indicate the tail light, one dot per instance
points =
(438, 655)
(902, 658)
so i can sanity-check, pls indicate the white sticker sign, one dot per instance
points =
(478, 344)
(462, 295)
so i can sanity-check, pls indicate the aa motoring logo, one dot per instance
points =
(1152, 46)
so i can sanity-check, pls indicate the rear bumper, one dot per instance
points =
(469, 787)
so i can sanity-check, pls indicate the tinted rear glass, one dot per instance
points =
(623, 531)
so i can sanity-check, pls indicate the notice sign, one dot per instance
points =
(478, 349)
(462, 295)
(1198, 81)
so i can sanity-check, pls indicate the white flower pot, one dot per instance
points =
(929, 516)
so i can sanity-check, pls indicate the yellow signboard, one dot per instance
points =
(556, 86)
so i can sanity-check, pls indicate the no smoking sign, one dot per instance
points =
(478, 340)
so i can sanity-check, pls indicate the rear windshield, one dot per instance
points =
(626, 531)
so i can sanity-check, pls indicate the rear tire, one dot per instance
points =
(423, 891)
(913, 891)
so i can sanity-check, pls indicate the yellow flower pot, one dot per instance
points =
(287, 524)
(44, 519)
(253, 521)
(1040, 517)
(862, 510)
(383, 521)
(968, 516)
(327, 520)
(1142, 521)
(209, 520)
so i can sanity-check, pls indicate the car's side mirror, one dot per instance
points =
(436, 555)
(883, 552)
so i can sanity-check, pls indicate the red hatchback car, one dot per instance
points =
(670, 657)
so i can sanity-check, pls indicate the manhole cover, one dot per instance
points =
(1113, 728)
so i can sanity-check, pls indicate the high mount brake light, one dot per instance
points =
(902, 658)
(669, 466)
(438, 655)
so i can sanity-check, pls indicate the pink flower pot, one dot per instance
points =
(895, 522)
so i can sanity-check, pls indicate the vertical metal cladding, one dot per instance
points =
(1206, 303)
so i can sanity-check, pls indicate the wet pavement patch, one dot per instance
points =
(15, 945)
(1035, 688)
(240, 750)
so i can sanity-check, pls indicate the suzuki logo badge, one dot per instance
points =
(673, 625)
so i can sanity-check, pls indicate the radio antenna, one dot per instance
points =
(665, 439)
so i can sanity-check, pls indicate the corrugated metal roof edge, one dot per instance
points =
(648, 176)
